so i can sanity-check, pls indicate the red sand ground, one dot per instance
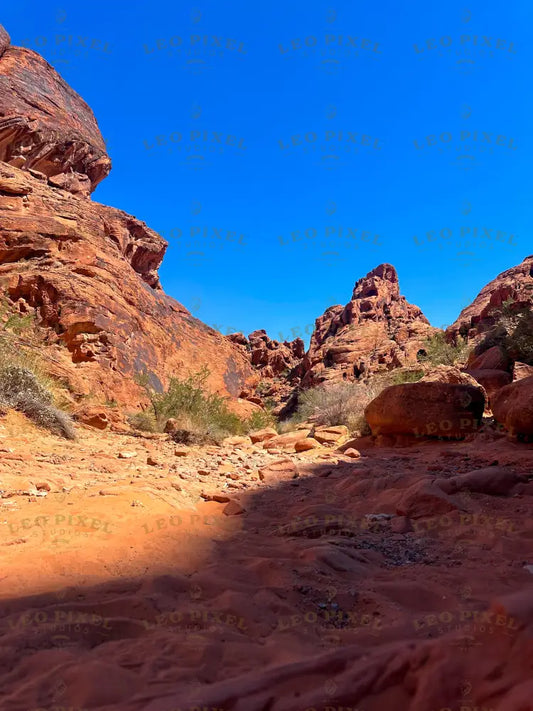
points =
(146, 598)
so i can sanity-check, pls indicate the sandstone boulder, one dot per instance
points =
(263, 435)
(494, 481)
(286, 441)
(305, 445)
(426, 409)
(513, 407)
(331, 435)
(493, 358)
(491, 380)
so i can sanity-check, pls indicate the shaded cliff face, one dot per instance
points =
(45, 125)
(87, 273)
(377, 330)
(478, 318)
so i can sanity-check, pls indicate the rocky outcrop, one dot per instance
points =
(479, 317)
(45, 125)
(426, 409)
(278, 366)
(86, 275)
(490, 326)
(377, 330)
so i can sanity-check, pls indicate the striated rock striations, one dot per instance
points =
(45, 125)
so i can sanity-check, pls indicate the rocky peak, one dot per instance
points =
(377, 330)
(45, 125)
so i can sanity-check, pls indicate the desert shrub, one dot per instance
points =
(21, 390)
(400, 376)
(519, 342)
(438, 351)
(338, 403)
(144, 421)
(512, 331)
(259, 420)
(201, 416)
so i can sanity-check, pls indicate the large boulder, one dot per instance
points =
(491, 380)
(513, 407)
(448, 374)
(426, 409)
(45, 125)
(494, 358)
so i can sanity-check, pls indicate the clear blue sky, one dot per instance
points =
(303, 143)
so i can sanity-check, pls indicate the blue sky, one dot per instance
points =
(284, 149)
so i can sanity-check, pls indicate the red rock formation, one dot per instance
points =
(45, 125)
(278, 365)
(515, 283)
(87, 272)
(377, 330)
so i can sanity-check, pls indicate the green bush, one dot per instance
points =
(201, 416)
(438, 351)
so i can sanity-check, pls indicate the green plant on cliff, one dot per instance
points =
(512, 331)
(204, 415)
(25, 387)
(436, 350)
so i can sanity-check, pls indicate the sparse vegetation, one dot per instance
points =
(338, 404)
(512, 331)
(21, 390)
(201, 416)
(438, 351)
(344, 403)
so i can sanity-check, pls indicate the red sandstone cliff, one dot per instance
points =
(87, 272)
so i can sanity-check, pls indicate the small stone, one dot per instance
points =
(126, 455)
(233, 508)
(182, 451)
(42, 486)
(353, 453)
(220, 498)
(152, 461)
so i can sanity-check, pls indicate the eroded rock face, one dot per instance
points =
(88, 274)
(377, 330)
(45, 125)
(475, 320)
